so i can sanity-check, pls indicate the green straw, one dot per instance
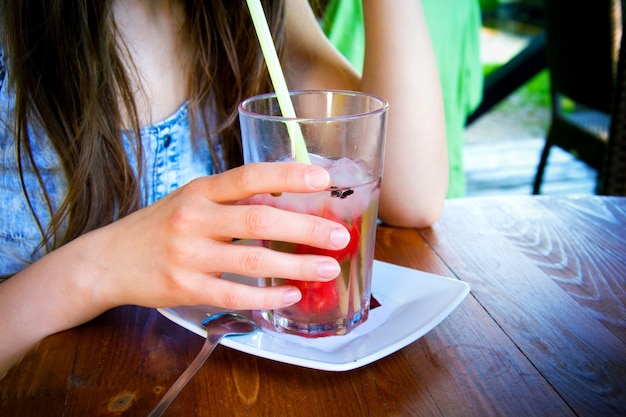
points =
(298, 147)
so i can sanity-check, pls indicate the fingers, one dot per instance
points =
(244, 181)
(177, 247)
(264, 222)
(269, 223)
(255, 261)
(232, 295)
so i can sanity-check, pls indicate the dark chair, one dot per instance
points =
(613, 179)
(582, 40)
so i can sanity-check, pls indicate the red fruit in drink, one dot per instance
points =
(317, 297)
(321, 297)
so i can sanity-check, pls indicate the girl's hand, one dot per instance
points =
(174, 252)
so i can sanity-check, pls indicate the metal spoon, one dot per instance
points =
(217, 326)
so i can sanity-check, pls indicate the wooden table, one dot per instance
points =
(543, 332)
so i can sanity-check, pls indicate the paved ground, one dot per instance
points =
(508, 167)
(511, 119)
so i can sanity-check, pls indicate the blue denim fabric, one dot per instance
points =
(170, 162)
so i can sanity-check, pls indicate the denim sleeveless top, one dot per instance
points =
(170, 161)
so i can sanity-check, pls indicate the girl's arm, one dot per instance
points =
(400, 67)
(173, 253)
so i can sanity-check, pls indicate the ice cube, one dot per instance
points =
(320, 161)
(348, 173)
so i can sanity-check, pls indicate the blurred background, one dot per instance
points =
(528, 89)
(503, 145)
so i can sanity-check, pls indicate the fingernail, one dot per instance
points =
(292, 296)
(317, 178)
(339, 238)
(328, 270)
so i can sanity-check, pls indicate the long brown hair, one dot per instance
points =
(63, 60)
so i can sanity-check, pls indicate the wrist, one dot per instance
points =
(62, 287)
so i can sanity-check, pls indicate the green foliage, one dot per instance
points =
(489, 5)
(537, 89)
(536, 92)
(489, 68)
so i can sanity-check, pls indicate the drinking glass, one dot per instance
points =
(344, 132)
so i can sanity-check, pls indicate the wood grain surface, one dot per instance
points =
(542, 333)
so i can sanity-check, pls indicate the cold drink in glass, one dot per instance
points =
(344, 132)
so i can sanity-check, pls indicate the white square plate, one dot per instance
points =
(412, 304)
